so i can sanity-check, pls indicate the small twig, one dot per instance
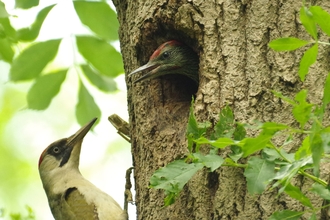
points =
(128, 194)
(121, 125)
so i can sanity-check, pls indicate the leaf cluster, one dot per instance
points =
(310, 19)
(269, 166)
(18, 216)
(102, 62)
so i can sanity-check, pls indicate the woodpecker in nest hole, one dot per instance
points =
(172, 57)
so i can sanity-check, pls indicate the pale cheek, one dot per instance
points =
(48, 164)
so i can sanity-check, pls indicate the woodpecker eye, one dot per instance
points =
(166, 54)
(56, 150)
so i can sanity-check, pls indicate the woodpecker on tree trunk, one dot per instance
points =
(172, 57)
(70, 195)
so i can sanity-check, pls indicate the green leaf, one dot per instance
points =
(316, 141)
(317, 151)
(103, 83)
(6, 51)
(295, 193)
(281, 96)
(287, 172)
(307, 60)
(288, 140)
(30, 215)
(225, 126)
(271, 154)
(286, 215)
(306, 18)
(230, 161)
(190, 140)
(204, 125)
(304, 150)
(44, 89)
(252, 145)
(326, 92)
(195, 130)
(6, 30)
(270, 128)
(322, 18)
(192, 127)
(325, 136)
(176, 173)
(211, 161)
(173, 177)
(32, 32)
(302, 112)
(258, 174)
(202, 140)
(101, 55)
(169, 199)
(320, 190)
(236, 153)
(3, 11)
(222, 142)
(287, 44)
(26, 4)
(313, 217)
(32, 61)
(219, 143)
(99, 17)
(86, 108)
(239, 132)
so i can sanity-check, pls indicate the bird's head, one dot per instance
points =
(172, 57)
(63, 154)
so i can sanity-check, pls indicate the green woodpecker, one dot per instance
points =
(172, 57)
(70, 195)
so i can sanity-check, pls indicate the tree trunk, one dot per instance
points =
(237, 68)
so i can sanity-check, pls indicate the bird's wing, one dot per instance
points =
(78, 205)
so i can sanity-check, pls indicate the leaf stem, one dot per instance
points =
(235, 165)
(325, 43)
(293, 130)
(279, 152)
(314, 178)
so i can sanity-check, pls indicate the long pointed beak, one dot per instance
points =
(147, 67)
(73, 145)
(80, 134)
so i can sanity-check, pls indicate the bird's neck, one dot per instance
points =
(58, 180)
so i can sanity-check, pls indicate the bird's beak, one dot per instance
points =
(74, 143)
(147, 67)
(80, 134)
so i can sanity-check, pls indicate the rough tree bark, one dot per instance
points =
(236, 68)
